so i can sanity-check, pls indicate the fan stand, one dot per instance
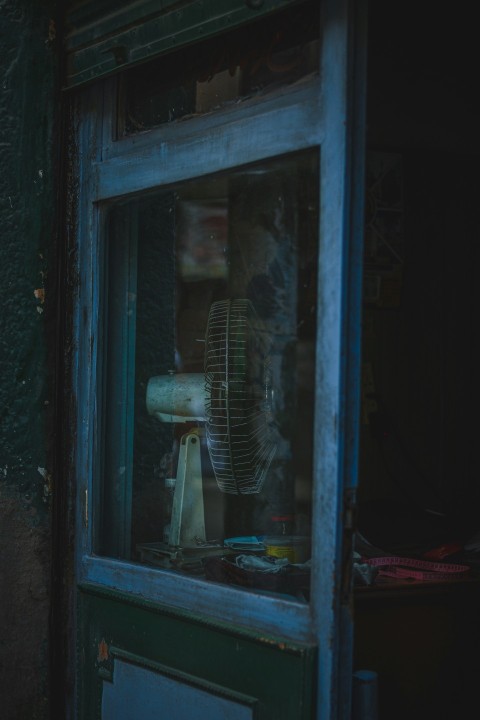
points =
(187, 543)
(187, 525)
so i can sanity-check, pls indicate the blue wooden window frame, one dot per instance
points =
(326, 113)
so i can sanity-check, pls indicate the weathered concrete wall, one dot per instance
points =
(27, 229)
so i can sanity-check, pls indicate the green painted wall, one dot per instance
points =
(27, 252)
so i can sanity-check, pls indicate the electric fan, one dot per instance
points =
(233, 398)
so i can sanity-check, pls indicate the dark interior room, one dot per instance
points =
(419, 490)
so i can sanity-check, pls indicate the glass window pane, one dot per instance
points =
(254, 60)
(208, 374)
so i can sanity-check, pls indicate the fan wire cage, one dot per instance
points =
(237, 397)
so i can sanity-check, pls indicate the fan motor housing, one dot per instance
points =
(177, 398)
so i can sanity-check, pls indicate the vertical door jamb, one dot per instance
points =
(338, 346)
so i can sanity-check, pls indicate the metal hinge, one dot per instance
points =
(349, 508)
(85, 509)
(349, 524)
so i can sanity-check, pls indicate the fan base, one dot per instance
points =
(167, 556)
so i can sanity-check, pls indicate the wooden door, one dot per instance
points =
(223, 180)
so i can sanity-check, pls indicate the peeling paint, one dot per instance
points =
(102, 651)
(271, 641)
(52, 32)
(48, 485)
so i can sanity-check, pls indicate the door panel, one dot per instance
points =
(164, 697)
(137, 656)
